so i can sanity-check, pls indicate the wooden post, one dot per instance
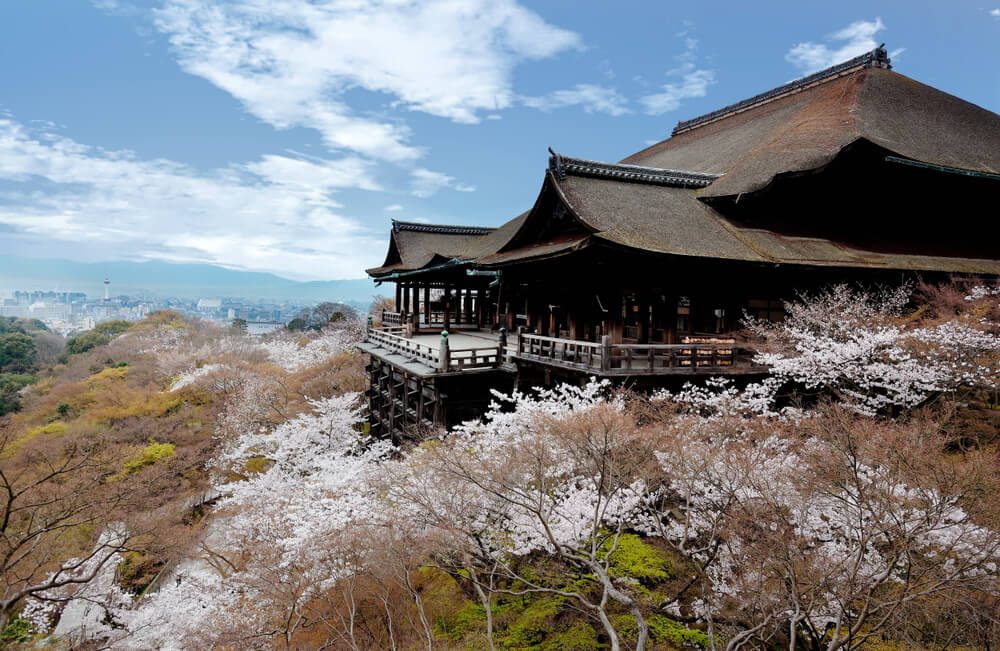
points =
(444, 354)
(458, 305)
(468, 306)
(399, 292)
(520, 340)
(415, 317)
(502, 344)
(643, 300)
(406, 301)
(605, 352)
(438, 410)
(479, 308)
(420, 404)
(446, 304)
(427, 305)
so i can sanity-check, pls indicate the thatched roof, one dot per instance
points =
(414, 246)
(663, 199)
(806, 127)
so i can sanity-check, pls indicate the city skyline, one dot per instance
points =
(283, 137)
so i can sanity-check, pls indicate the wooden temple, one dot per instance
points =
(643, 269)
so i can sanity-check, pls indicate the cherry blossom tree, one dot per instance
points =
(861, 346)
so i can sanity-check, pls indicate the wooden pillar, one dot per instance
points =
(399, 291)
(446, 304)
(458, 304)
(480, 314)
(406, 301)
(427, 305)
(438, 411)
(643, 318)
(468, 306)
(420, 405)
(616, 321)
(415, 317)
(573, 324)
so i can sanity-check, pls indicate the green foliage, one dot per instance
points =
(100, 335)
(24, 326)
(664, 630)
(18, 630)
(531, 625)
(581, 636)
(635, 559)
(10, 385)
(240, 324)
(147, 457)
(17, 352)
(50, 429)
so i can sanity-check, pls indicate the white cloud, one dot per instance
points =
(851, 41)
(396, 207)
(426, 183)
(593, 99)
(693, 82)
(317, 176)
(294, 63)
(275, 214)
(995, 12)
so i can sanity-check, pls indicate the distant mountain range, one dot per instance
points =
(164, 279)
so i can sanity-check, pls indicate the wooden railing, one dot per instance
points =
(392, 318)
(395, 342)
(606, 358)
(443, 358)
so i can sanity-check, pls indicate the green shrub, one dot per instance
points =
(635, 559)
(665, 630)
(18, 630)
(100, 335)
(10, 385)
(147, 457)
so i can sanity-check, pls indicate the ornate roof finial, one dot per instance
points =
(556, 164)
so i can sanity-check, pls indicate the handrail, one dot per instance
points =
(606, 357)
(443, 359)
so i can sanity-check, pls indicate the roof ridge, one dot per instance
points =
(563, 165)
(877, 58)
(450, 229)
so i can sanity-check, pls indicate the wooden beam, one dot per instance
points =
(427, 305)
(415, 317)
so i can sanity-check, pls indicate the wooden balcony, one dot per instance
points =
(607, 359)
(427, 355)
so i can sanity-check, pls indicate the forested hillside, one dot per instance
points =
(191, 487)
(26, 348)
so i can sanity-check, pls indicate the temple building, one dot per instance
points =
(642, 269)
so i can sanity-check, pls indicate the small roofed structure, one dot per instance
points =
(644, 268)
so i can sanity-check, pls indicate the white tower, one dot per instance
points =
(107, 281)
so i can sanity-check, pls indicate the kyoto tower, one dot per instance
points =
(107, 281)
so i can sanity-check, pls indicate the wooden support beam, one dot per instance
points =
(446, 305)
(427, 305)
(406, 300)
(415, 317)
(399, 297)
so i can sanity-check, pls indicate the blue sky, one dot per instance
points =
(284, 135)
